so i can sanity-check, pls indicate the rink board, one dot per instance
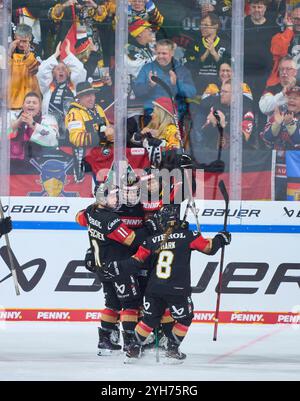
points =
(262, 266)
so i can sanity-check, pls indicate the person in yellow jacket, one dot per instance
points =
(87, 126)
(23, 67)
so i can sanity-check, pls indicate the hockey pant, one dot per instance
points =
(122, 298)
(181, 310)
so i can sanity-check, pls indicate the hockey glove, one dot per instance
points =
(221, 239)
(185, 161)
(152, 225)
(5, 226)
(89, 261)
(225, 237)
(111, 270)
(155, 142)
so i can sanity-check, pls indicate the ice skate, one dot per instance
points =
(173, 355)
(105, 346)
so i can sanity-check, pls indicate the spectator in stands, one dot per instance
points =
(204, 57)
(86, 15)
(283, 130)
(87, 126)
(35, 14)
(282, 133)
(286, 43)
(200, 110)
(275, 96)
(257, 57)
(171, 72)
(23, 67)
(31, 132)
(225, 74)
(161, 133)
(57, 81)
(209, 138)
(147, 10)
(138, 54)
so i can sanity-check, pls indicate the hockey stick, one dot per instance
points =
(224, 192)
(11, 261)
(156, 346)
(191, 203)
(220, 147)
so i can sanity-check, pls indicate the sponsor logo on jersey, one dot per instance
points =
(120, 288)
(137, 151)
(113, 223)
(75, 125)
(146, 305)
(137, 222)
(177, 312)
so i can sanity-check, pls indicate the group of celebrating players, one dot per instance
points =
(141, 251)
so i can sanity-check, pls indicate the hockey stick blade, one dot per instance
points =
(224, 192)
(160, 82)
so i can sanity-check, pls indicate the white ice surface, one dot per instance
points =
(67, 351)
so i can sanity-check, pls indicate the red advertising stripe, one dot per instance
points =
(93, 315)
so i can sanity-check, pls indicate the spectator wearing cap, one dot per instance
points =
(23, 67)
(147, 10)
(176, 76)
(286, 43)
(275, 96)
(138, 53)
(87, 126)
(58, 79)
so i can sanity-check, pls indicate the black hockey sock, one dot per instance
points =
(167, 323)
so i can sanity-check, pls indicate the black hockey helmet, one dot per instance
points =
(168, 216)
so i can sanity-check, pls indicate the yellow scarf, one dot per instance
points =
(205, 44)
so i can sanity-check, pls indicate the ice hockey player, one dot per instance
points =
(111, 239)
(5, 226)
(169, 286)
(131, 210)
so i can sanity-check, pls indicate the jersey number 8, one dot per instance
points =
(164, 264)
